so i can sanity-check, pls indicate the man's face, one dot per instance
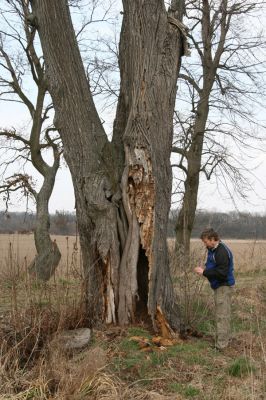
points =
(209, 243)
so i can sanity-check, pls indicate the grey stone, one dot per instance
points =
(76, 339)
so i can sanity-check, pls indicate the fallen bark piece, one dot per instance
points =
(160, 341)
(139, 339)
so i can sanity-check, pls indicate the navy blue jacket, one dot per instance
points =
(219, 267)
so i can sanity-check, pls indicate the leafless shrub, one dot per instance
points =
(30, 314)
(188, 287)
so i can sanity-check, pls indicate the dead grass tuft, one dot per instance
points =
(103, 386)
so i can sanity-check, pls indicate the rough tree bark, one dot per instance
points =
(122, 188)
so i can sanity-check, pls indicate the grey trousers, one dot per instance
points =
(222, 299)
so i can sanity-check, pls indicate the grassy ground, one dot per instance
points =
(125, 363)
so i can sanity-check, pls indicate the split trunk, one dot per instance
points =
(122, 188)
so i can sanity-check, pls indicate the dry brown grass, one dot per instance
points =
(248, 255)
(32, 314)
(23, 251)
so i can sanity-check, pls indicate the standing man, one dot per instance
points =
(219, 270)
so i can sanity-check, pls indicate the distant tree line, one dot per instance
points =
(232, 225)
(61, 223)
(235, 225)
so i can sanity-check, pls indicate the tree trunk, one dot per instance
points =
(186, 215)
(122, 207)
(210, 63)
(48, 255)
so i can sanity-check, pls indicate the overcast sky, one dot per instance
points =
(211, 197)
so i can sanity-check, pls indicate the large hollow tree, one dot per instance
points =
(123, 187)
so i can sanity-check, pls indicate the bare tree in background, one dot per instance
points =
(123, 187)
(21, 66)
(221, 83)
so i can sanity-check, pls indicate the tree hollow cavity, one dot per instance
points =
(143, 286)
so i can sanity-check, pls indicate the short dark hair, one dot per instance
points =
(209, 233)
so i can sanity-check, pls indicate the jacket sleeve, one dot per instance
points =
(221, 270)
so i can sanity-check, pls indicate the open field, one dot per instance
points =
(248, 255)
(115, 367)
(22, 250)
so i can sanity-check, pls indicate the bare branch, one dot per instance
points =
(11, 134)
(14, 84)
(192, 82)
(15, 183)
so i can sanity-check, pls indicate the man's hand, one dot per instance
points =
(199, 270)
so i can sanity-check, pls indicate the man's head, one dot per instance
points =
(210, 238)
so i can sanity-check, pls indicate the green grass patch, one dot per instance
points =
(201, 315)
(192, 359)
(191, 391)
(138, 331)
(191, 353)
(159, 358)
(130, 361)
(175, 387)
(188, 391)
(241, 367)
(195, 347)
(127, 345)
(206, 326)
